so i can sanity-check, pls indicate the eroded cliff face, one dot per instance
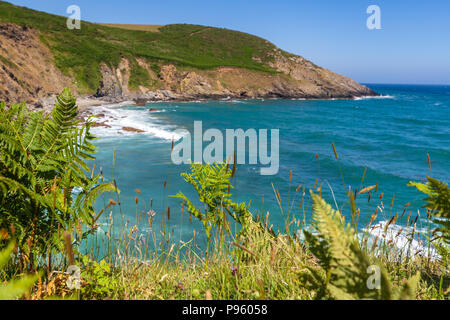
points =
(296, 77)
(114, 80)
(28, 73)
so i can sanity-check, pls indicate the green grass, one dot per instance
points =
(78, 53)
(8, 62)
(156, 69)
(276, 269)
(138, 77)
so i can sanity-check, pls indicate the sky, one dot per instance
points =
(412, 46)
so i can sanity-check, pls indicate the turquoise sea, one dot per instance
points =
(390, 136)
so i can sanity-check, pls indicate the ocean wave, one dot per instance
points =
(238, 101)
(439, 103)
(400, 240)
(374, 97)
(396, 237)
(114, 118)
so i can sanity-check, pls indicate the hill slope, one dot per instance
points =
(39, 55)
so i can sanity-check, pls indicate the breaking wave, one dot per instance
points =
(374, 97)
(113, 120)
(401, 240)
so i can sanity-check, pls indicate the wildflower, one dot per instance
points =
(235, 271)
(151, 213)
(134, 229)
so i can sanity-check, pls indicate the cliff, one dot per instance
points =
(39, 56)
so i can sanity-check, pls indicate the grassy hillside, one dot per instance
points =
(78, 53)
(139, 27)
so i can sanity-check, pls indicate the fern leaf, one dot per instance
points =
(338, 250)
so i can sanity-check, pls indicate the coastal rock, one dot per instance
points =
(140, 102)
(114, 83)
(170, 77)
(130, 129)
(194, 84)
(101, 124)
(166, 95)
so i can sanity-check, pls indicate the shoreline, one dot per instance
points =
(108, 114)
(86, 102)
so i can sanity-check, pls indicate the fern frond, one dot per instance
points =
(438, 204)
(42, 158)
(336, 246)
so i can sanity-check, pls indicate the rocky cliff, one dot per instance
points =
(28, 73)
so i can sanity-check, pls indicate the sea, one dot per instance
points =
(386, 141)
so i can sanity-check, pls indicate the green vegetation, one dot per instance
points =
(79, 53)
(98, 279)
(213, 186)
(344, 262)
(8, 62)
(42, 160)
(138, 77)
(156, 69)
(15, 288)
(438, 204)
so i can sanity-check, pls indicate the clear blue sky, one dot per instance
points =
(413, 45)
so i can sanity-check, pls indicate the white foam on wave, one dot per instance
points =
(114, 118)
(396, 237)
(77, 190)
(237, 101)
(374, 97)
(399, 239)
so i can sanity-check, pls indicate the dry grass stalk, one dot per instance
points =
(365, 190)
(335, 152)
(69, 249)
